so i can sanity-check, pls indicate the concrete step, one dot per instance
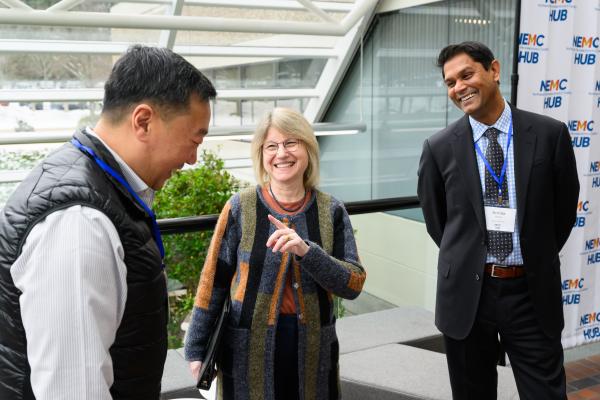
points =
(400, 372)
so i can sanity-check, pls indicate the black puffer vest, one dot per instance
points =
(69, 177)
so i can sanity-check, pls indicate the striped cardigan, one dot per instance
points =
(240, 265)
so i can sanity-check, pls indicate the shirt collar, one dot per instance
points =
(140, 187)
(502, 124)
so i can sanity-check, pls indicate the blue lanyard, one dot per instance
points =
(499, 179)
(107, 168)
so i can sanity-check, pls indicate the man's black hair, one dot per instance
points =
(476, 50)
(156, 75)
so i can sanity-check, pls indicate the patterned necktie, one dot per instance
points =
(499, 243)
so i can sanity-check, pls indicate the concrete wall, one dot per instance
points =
(400, 259)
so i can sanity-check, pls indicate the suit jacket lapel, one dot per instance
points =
(524, 139)
(464, 154)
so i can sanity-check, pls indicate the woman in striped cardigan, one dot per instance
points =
(281, 251)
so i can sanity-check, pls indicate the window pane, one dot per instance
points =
(258, 75)
(253, 110)
(266, 73)
(299, 73)
(295, 104)
(57, 117)
(226, 113)
(54, 71)
(227, 78)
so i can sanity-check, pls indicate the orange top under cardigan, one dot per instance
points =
(287, 302)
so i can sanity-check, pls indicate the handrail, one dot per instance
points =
(215, 133)
(169, 226)
(378, 205)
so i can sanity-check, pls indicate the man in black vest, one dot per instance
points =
(83, 298)
(499, 193)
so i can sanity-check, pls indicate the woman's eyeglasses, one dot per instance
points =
(290, 145)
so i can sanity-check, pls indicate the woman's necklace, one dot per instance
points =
(290, 210)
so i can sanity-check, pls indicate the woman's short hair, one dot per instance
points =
(293, 124)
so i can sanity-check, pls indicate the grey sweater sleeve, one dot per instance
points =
(341, 272)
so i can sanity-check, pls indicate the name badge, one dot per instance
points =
(500, 219)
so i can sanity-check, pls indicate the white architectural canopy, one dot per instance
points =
(55, 55)
(273, 44)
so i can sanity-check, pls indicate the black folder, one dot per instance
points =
(213, 351)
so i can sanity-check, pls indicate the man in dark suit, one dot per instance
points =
(499, 192)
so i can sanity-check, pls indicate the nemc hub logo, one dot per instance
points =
(584, 59)
(579, 222)
(581, 126)
(580, 141)
(558, 15)
(588, 319)
(571, 298)
(583, 207)
(592, 246)
(555, 85)
(528, 57)
(549, 86)
(582, 42)
(531, 39)
(572, 284)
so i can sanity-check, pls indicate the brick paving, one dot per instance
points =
(583, 378)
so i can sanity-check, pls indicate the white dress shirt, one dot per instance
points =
(502, 125)
(73, 279)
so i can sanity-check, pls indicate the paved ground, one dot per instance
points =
(583, 373)
(583, 378)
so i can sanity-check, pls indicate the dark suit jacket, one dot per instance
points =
(450, 193)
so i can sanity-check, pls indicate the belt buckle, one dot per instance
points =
(493, 273)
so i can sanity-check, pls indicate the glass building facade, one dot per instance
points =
(395, 87)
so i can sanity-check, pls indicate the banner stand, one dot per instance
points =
(558, 53)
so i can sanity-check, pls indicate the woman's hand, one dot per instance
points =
(195, 369)
(286, 239)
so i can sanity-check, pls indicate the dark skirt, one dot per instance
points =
(285, 362)
(286, 358)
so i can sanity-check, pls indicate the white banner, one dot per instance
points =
(559, 50)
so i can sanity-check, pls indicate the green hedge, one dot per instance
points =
(199, 191)
(13, 160)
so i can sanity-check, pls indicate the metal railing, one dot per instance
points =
(171, 226)
(216, 133)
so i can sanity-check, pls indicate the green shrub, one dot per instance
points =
(20, 159)
(14, 160)
(339, 309)
(178, 310)
(202, 190)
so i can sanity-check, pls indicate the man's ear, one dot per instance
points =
(141, 117)
(495, 68)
